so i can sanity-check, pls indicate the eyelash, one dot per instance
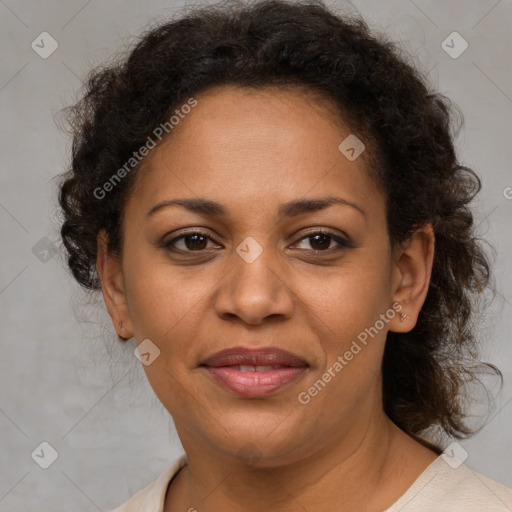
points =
(342, 243)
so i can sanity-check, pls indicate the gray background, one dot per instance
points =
(64, 377)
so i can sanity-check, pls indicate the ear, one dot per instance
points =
(412, 269)
(112, 283)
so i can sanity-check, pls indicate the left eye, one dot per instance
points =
(323, 241)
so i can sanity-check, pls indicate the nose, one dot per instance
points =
(255, 290)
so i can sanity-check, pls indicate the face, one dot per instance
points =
(270, 271)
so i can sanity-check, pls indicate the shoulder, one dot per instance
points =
(450, 486)
(152, 496)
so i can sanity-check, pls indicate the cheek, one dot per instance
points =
(350, 297)
(161, 296)
(348, 326)
(169, 319)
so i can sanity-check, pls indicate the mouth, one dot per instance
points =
(254, 372)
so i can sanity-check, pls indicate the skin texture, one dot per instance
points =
(252, 151)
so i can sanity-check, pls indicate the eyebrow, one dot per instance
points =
(295, 208)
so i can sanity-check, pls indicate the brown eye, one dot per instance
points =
(190, 242)
(321, 241)
(195, 242)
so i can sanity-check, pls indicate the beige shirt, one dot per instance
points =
(440, 488)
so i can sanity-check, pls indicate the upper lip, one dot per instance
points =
(262, 356)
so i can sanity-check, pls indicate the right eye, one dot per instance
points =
(194, 241)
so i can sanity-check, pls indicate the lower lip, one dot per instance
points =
(255, 384)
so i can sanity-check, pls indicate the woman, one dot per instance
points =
(269, 199)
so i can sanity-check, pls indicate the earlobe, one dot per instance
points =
(110, 273)
(411, 277)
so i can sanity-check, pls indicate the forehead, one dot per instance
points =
(254, 144)
(260, 114)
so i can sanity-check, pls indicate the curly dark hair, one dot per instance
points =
(382, 96)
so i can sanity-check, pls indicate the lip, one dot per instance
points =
(224, 367)
(261, 356)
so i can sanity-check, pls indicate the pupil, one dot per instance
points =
(322, 237)
(195, 244)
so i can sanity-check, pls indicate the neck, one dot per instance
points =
(369, 466)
